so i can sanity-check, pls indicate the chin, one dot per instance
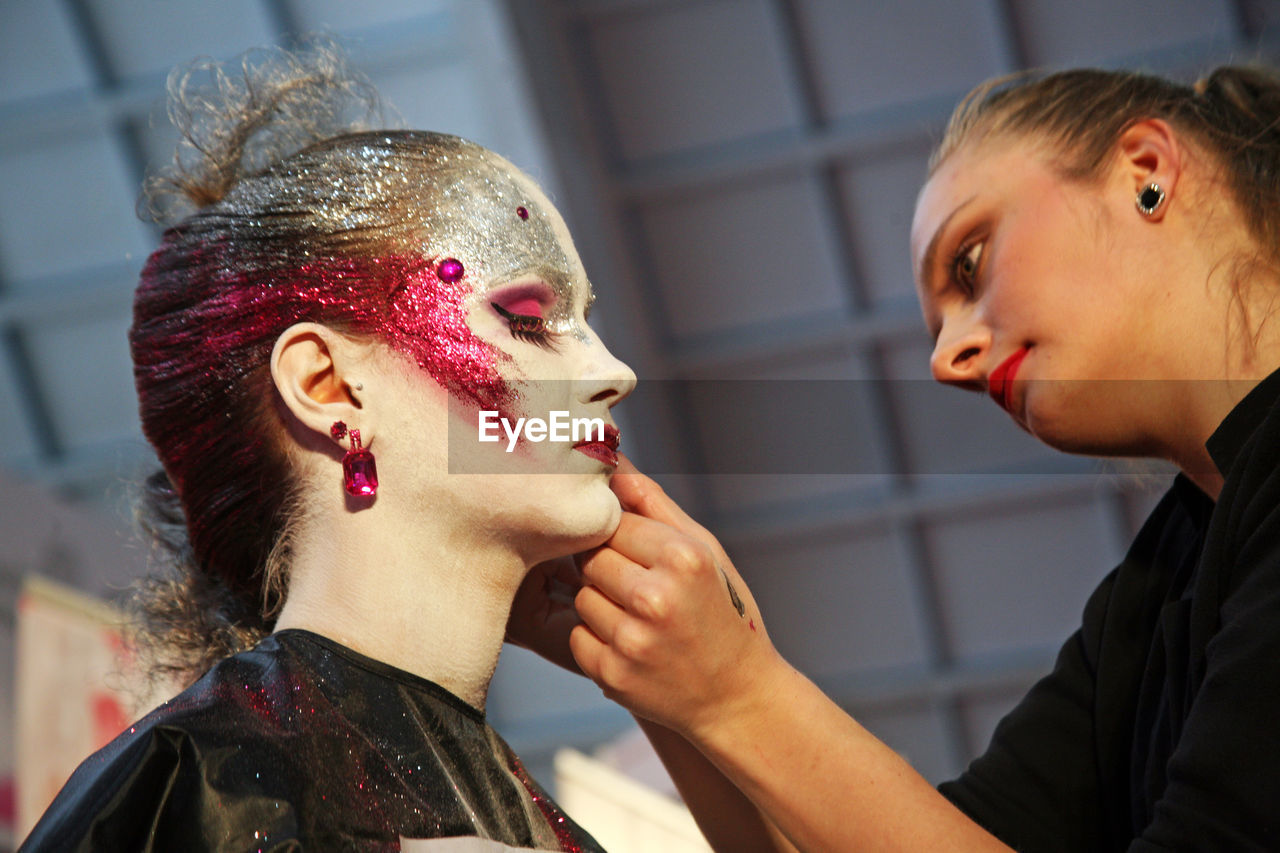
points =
(601, 513)
(575, 519)
(1084, 434)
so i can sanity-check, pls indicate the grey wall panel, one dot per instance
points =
(802, 418)
(38, 51)
(880, 193)
(741, 256)
(867, 56)
(981, 710)
(444, 97)
(1099, 31)
(1019, 578)
(66, 204)
(20, 443)
(345, 16)
(836, 607)
(84, 365)
(149, 37)
(690, 75)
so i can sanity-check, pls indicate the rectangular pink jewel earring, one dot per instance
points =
(359, 471)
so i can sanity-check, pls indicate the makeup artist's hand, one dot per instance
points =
(542, 615)
(669, 629)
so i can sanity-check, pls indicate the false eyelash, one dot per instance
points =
(525, 327)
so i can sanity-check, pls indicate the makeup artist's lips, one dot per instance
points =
(1000, 381)
(605, 451)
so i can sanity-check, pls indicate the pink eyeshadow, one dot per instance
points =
(527, 305)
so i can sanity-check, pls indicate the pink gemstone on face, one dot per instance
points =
(522, 212)
(360, 474)
(450, 270)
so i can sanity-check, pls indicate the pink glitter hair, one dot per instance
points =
(336, 232)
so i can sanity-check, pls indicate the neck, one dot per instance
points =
(434, 604)
(1208, 406)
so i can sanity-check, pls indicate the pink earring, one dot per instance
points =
(359, 471)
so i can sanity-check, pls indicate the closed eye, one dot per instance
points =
(531, 328)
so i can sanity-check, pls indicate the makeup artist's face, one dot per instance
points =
(1028, 287)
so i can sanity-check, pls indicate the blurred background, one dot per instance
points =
(739, 176)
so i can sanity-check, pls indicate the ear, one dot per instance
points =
(311, 366)
(1151, 152)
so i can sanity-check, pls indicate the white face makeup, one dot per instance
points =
(526, 301)
(463, 267)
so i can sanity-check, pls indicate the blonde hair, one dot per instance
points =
(1233, 114)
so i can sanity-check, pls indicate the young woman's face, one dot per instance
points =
(1034, 294)
(527, 298)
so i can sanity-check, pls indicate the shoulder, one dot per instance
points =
(1162, 554)
(1245, 545)
(170, 780)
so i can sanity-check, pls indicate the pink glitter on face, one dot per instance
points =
(428, 320)
(399, 299)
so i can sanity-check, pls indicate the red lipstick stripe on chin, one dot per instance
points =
(1000, 382)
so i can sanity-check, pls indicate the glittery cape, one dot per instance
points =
(302, 744)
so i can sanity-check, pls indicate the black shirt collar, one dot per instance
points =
(1230, 436)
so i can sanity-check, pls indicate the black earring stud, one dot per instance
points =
(1149, 199)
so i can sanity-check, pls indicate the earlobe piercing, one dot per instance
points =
(359, 471)
(1149, 199)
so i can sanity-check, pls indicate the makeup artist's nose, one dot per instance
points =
(960, 355)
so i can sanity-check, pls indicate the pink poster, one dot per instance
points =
(77, 688)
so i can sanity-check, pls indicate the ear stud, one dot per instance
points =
(1149, 199)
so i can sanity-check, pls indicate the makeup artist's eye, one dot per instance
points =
(527, 327)
(965, 264)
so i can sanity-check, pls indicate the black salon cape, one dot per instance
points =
(1159, 728)
(303, 744)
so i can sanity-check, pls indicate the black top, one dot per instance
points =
(303, 744)
(1159, 727)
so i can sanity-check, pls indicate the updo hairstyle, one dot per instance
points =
(294, 212)
(1233, 115)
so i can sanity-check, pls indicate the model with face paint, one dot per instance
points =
(394, 284)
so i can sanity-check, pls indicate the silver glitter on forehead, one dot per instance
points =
(424, 193)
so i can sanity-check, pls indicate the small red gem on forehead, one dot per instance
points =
(522, 212)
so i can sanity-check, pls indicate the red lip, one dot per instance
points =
(605, 451)
(1000, 381)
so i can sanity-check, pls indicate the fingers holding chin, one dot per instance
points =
(587, 649)
(599, 612)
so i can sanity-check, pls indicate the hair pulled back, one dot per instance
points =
(204, 396)
(299, 215)
(1233, 114)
